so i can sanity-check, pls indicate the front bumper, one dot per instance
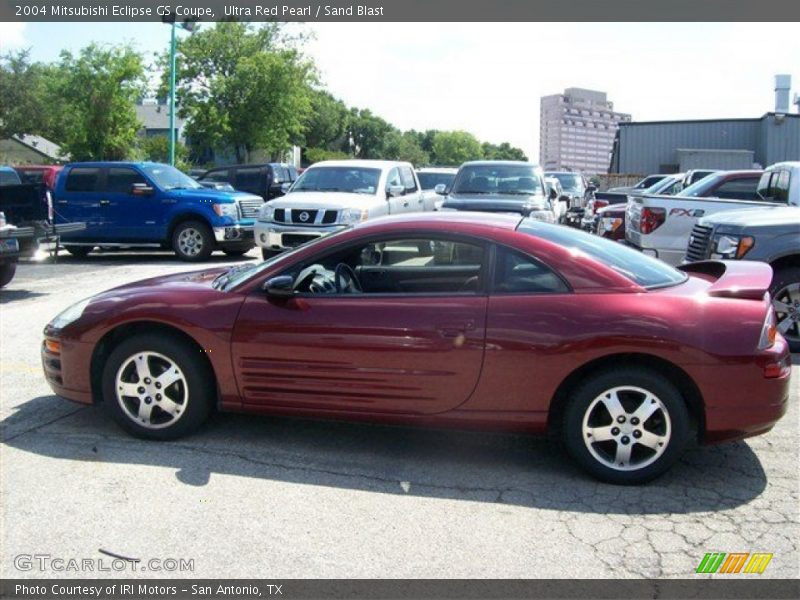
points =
(67, 370)
(274, 236)
(234, 234)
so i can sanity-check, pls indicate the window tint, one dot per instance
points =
(738, 189)
(249, 180)
(26, 176)
(9, 177)
(640, 268)
(428, 181)
(407, 176)
(120, 180)
(81, 179)
(517, 273)
(497, 179)
(222, 175)
(774, 187)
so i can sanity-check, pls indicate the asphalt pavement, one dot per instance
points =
(283, 498)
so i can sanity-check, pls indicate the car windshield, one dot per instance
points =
(645, 270)
(428, 181)
(497, 179)
(170, 178)
(648, 182)
(699, 188)
(569, 181)
(352, 180)
(661, 186)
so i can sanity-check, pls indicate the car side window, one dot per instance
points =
(407, 177)
(393, 179)
(738, 189)
(518, 273)
(221, 176)
(82, 179)
(415, 266)
(120, 180)
(248, 180)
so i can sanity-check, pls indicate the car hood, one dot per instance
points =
(756, 217)
(498, 202)
(326, 200)
(209, 194)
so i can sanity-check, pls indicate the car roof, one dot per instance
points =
(250, 166)
(511, 163)
(119, 163)
(448, 170)
(549, 173)
(363, 163)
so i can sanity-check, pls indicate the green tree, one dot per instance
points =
(313, 155)
(92, 96)
(404, 146)
(327, 122)
(22, 95)
(366, 133)
(243, 87)
(455, 147)
(504, 151)
(156, 149)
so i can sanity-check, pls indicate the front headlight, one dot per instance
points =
(351, 216)
(266, 213)
(728, 246)
(227, 210)
(72, 314)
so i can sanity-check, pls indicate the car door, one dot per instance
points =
(129, 217)
(411, 343)
(78, 202)
(397, 204)
(413, 195)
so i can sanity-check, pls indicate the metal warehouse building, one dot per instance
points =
(675, 146)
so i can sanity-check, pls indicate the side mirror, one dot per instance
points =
(142, 189)
(393, 191)
(552, 193)
(285, 187)
(440, 189)
(281, 286)
(591, 188)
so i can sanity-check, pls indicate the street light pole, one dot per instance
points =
(172, 97)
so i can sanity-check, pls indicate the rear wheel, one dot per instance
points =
(785, 293)
(78, 251)
(193, 241)
(626, 426)
(7, 273)
(157, 387)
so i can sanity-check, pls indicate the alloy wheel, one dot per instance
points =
(190, 241)
(626, 428)
(151, 390)
(787, 306)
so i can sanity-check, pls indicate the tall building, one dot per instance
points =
(576, 131)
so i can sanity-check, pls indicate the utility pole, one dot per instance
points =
(189, 26)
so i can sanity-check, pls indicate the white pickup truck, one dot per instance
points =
(331, 195)
(661, 225)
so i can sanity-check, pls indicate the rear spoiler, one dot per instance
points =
(734, 279)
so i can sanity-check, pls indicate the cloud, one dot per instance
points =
(12, 35)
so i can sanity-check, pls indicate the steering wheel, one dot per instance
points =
(345, 279)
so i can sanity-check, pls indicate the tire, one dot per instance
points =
(175, 409)
(666, 430)
(7, 272)
(267, 254)
(785, 294)
(235, 251)
(78, 251)
(193, 241)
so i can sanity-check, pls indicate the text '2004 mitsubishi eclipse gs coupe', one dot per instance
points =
(454, 319)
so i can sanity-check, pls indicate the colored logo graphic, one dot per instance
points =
(734, 562)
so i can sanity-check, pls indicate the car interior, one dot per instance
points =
(422, 266)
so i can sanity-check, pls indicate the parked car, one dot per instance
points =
(609, 221)
(10, 237)
(444, 319)
(575, 186)
(661, 225)
(562, 201)
(736, 185)
(266, 180)
(40, 174)
(331, 195)
(9, 176)
(132, 205)
(500, 186)
(430, 177)
(692, 176)
(642, 185)
(770, 235)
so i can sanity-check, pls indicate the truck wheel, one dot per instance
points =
(193, 241)
(626, 425)
(79, 251)
(785, 293)
(7, 273)
(236, 251)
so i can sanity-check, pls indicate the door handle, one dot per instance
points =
(105, 202)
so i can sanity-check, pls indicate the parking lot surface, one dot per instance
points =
(273, 497)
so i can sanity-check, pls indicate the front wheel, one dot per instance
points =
(193, 241)
(78, 251)
(157, 387)
(235, 252)
(626, 426)
(785, 293)
(7, 273)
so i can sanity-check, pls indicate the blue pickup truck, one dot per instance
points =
(143, 204)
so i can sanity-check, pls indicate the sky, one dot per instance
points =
(487, 78)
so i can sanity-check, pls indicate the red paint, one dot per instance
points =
(483, 361)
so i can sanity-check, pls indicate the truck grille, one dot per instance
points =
(249, 206)
(303, 216)
(699, 247)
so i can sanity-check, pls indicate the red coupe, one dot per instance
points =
(472, 320)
